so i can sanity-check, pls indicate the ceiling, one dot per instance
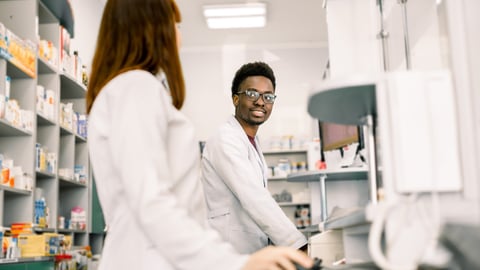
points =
(288, 22)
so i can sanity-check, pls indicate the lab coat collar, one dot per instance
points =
(163, 79)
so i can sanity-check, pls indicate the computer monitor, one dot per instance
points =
(335, 136)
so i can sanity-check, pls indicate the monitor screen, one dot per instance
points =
(334, 136)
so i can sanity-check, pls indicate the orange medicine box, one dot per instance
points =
(21, 228)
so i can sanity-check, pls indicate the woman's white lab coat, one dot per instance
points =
(145, 162)
(239, 204)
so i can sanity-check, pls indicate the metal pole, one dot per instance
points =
(368, 130)
(405, 33)
(384, 36)
(326, 73)
(323, 199)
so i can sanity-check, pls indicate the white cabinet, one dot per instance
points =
(58, 182)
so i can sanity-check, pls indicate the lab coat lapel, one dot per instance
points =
(257, 152)
(261, 161)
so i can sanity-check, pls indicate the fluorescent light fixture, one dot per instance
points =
(245, 15)
(236, 22)
(234, 10)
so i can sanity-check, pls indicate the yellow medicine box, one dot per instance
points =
(37, 245)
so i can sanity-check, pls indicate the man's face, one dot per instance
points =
(247, 110)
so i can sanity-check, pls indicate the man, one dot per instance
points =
(234, 171)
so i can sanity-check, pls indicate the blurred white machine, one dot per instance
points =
(327, 245)
(411, 119)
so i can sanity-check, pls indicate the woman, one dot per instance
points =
(142, 150)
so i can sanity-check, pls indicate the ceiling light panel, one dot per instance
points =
(247, 9)
(236, 22)
(244, 15)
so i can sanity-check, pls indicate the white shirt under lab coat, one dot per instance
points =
(145, 161)
(239, 204)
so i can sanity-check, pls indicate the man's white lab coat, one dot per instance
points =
(239, 204)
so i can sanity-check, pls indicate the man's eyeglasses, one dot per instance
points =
(253, 95)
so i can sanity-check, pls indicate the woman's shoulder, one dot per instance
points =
(142, 82)
(136, 76)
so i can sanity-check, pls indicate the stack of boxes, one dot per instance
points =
(46, 102)
(22, 242)
(36, 245)
(21, 53)
(48, 52)
(71, 120)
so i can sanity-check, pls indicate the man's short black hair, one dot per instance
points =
(252, 69)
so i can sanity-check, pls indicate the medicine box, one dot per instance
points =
(37, 245)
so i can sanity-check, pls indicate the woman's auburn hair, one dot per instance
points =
(137, 34)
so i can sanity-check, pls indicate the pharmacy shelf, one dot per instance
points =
(323, 176)
(71, 231)
(4, 263)
(79, 138)
(44, 121)
(65, 131)
(57, 10)
(45, 67)
(44, 174)
(350, 217)
(293, 203)
(15, 191)
(277, 178)
(43, 230)
(18, 71)
(284, 151)
(7, 129)
(34, 21)
(66, 182)
(278, 183)
(354, 173)
(72, 89)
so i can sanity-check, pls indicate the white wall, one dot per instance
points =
(87, 15)
(423, 35)
(352, 38)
